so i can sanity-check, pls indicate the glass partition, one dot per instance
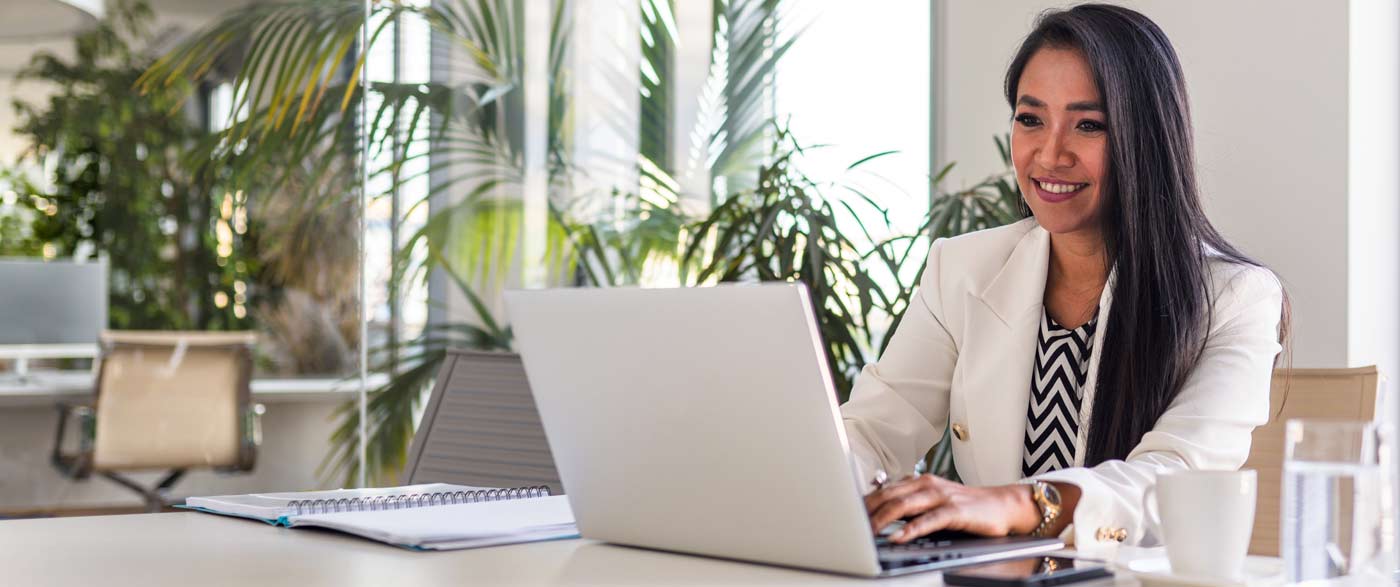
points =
(191, 169)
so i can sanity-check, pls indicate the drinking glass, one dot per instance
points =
(1336, 515)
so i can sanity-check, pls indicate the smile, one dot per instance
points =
(1053, 191)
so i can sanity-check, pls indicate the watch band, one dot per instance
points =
(1047, 498)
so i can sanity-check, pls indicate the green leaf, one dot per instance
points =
(869, 158)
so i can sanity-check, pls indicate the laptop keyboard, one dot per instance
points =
(936, 547)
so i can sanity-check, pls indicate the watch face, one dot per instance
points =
(1052, 495)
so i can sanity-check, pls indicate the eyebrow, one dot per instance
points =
(1033, 102)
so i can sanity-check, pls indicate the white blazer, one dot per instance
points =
(964, 354)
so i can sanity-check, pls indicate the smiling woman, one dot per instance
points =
(1076, 355)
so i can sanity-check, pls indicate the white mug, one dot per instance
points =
(1206, 520)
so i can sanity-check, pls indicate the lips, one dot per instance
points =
(1055, 191)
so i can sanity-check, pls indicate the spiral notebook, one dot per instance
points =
(435, 516)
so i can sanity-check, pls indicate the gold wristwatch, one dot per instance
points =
(1047, 498)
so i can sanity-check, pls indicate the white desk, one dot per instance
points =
(157, 550)
(48, 387)
(22, 353)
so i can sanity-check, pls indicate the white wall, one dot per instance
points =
(1277, 158)
(12, 145)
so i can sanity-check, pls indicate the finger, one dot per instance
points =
(907, 506)
(895, 490)
(928, 523)
(904, 487)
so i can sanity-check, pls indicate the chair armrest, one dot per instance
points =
(78, 464)
(251, 436)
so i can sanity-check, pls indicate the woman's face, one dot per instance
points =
(1059, 141)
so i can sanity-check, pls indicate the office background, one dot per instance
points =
(1294, 107)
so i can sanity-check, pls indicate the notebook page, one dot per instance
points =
(271, 507)
(465, 525)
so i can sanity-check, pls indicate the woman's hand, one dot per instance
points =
(930, 504)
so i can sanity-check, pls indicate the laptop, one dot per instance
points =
(703, 421)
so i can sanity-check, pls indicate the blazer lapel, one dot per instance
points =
(999, 355)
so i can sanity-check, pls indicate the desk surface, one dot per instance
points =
(195, 549)
(44, 388)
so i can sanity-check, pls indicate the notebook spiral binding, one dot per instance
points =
(411, 500)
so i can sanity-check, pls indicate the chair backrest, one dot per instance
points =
(1340, 394)
(481, 427)
(172, 400)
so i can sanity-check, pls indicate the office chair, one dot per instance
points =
(481, 427)
(170, 401)
(1338, 394)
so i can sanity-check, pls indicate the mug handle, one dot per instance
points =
(1149, 515)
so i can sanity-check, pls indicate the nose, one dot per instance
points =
(1053, 154)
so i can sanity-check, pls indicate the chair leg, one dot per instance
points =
(162, 489)
(146, 494)
(170, 480)
(155, 497)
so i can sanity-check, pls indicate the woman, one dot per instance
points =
(1113, 336)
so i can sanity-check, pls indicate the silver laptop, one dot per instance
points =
(703, 421)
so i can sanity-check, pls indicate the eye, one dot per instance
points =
(1028, 120)
(1092, 126)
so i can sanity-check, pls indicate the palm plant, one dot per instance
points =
(733, 126)
(750, 41)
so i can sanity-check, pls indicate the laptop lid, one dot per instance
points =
(699, 420)
(480, 427)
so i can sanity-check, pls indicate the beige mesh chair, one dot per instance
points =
(170, 401)
(1338, 394)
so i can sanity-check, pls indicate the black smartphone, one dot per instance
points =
(1039, 571)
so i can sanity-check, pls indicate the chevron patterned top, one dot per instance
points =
(1061, 366)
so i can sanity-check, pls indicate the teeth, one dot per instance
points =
(1059, 188)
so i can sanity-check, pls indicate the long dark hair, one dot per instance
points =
(1156, 234)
